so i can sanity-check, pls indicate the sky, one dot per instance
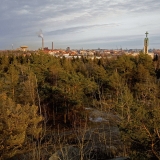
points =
(87, 24)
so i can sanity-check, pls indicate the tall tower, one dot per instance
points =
(52, 46)
(146, 43)
(42, 43)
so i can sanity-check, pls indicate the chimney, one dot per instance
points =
(42, 43)
(52, 46)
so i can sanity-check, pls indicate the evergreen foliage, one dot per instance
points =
(17, 123)
(58, 88)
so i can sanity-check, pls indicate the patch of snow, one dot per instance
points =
(97, 119)
(88, 108)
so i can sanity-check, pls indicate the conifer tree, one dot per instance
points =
(17, 124)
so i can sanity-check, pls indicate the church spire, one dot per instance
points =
(146, 43)
(146, 34)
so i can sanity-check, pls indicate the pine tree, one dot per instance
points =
(17, 123)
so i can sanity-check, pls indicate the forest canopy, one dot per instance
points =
(37, 87)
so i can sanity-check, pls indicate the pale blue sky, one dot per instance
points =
(88, 24)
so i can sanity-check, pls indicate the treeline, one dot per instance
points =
(39, 87)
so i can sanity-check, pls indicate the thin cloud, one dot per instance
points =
(78, 29)
(58, 18)
(23, 11)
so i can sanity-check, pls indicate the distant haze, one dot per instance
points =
(87, 24)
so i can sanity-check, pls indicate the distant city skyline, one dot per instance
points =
(87, 24)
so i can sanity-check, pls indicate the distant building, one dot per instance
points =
(23, 48)
(68, 49)
(146, 43)
(45, 49)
